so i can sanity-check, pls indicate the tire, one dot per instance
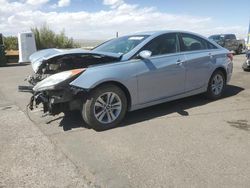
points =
(215, 90)
(239, 50)
(246, 70)
(245, 67)
(105, 107)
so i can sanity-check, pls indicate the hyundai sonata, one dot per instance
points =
(129, 73)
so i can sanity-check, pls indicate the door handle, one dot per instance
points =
(179, 62)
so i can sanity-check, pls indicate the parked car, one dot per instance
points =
(130, 73)
(3, 59)
(229, 42)
(246, 64)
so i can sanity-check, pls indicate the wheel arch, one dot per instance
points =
(223, 70)
(121, 86)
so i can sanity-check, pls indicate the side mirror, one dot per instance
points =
(145, 54)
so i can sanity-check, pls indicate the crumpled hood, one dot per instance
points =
(39, 57)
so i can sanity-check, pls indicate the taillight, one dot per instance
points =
(230, 56)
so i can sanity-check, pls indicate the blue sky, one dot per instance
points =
(102, 18)
(225, 11)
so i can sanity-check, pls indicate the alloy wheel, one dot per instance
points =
(107, 107)
(217, 84)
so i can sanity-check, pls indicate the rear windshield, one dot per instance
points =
(216, 37)
(121, 45)
(230, 36)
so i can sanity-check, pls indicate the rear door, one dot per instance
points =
(199, 58)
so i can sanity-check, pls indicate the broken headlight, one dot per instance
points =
(50, 82)
(53, 67)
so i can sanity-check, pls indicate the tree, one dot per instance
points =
(47, 38)
(11, 43)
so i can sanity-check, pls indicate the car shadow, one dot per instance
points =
(74, 120)
(179, 106)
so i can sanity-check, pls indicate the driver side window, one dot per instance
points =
(164, 44)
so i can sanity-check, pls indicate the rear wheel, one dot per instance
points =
(216, 85)
(105, 107)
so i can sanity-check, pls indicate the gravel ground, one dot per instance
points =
(28, 158)
(192, 142)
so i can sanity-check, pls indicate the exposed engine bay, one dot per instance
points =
(67, 62)
(54, 69)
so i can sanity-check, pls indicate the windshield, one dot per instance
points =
(121, 45)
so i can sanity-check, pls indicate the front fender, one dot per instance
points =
(123, 73)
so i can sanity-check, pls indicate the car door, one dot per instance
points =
(199, 58)
(162, 75)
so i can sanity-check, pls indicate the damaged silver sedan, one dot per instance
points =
(127, 74)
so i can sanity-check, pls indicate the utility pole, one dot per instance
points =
(248, 36)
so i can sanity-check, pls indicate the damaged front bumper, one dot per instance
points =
(32, 80)
(56, 94)
(57, 101)
(25, 89)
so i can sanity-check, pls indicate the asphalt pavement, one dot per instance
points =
(192, 142)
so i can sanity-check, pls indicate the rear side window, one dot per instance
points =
(193, 43)
(164, 44)
(211, 46)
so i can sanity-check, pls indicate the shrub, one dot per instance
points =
(46, 38)
(11, 43)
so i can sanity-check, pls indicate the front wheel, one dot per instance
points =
(216, 85)
(105, 107)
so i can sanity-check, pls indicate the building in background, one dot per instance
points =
(26, 46)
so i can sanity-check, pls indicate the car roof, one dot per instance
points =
(155, 33)
(221, 34)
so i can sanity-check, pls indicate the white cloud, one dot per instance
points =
(63, 3)
(113, 3)
(37, 2)
(122, 17)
